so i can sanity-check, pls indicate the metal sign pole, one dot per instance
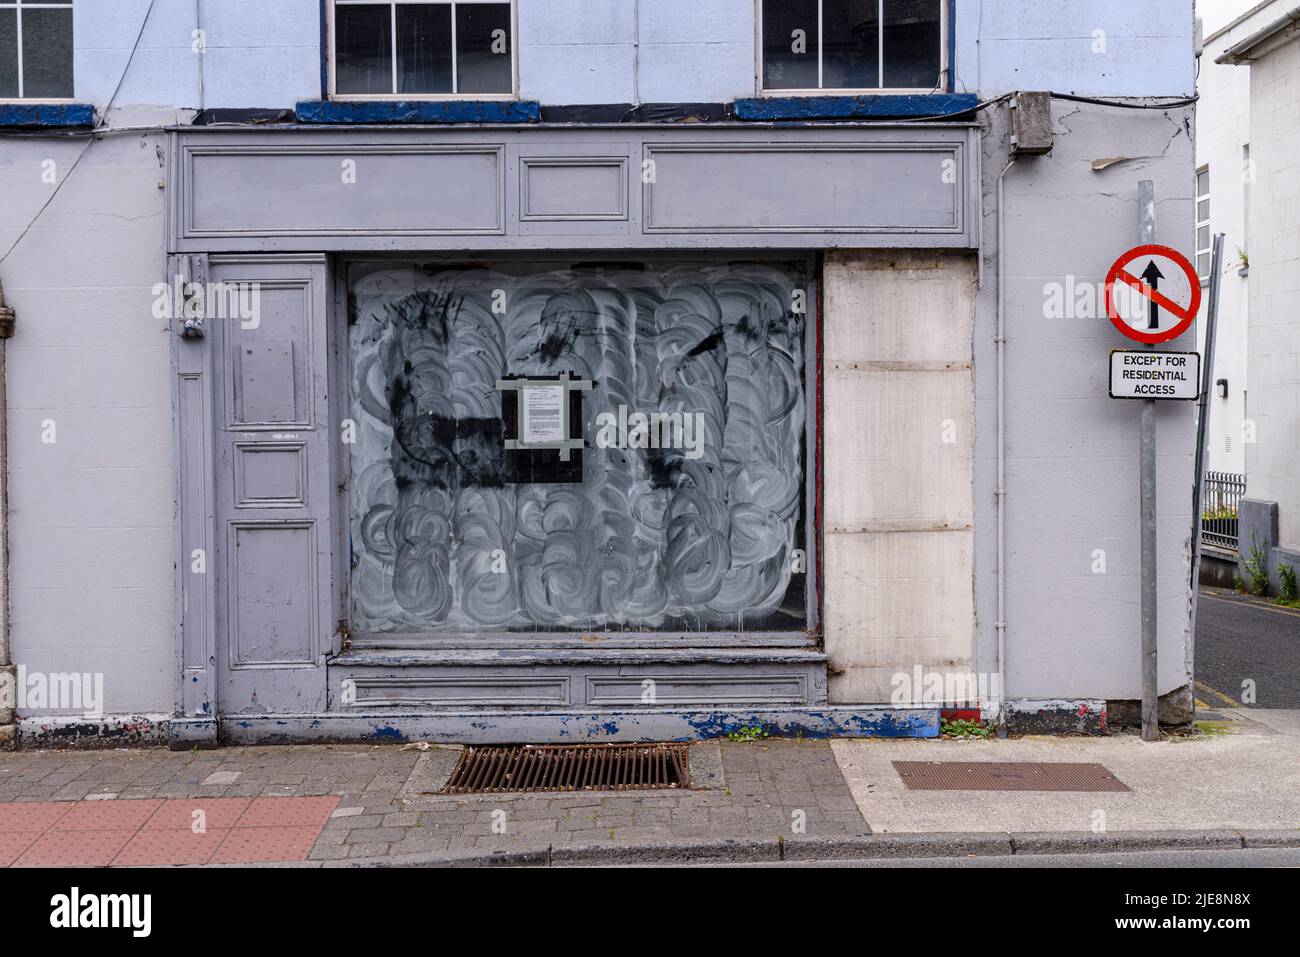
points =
(1202, 429)
(1150, 697)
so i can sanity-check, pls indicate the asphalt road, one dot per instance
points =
(1239, 638)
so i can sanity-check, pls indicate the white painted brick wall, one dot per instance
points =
(1273, 461)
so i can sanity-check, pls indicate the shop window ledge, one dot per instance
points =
(880, 106)
(418, 111)
(47, 114)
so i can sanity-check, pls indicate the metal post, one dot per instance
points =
(1202, 438)
(1150, 694)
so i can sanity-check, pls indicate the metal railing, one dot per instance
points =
(1223, 492)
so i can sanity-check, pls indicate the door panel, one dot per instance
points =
(274, 483)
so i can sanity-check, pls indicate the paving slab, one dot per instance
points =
(1248, 778)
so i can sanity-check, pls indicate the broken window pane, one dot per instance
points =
(8, 53)
(790, 44)
(424, 48)
(483, 48)
(47, 53)
(851, 50)
(363, 49)
(912, 44)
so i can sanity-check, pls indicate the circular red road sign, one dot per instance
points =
(1185, 315)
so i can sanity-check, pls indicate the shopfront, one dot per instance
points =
(525, 439)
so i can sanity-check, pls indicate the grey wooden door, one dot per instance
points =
(274, 486)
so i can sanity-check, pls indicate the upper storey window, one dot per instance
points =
(35, 50)
(854, 45)
(406, 49)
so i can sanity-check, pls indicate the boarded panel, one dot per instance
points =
(269, 475)
(819, 187)
(350, 189)
(273, 619)
(588, 188)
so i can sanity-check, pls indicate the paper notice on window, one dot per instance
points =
(543, 418)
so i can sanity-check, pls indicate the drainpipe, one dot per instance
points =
(8, 675)
(1000, 624)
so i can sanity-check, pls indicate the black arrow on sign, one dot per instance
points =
(1152, 276)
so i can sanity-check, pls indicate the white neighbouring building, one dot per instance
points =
(1263, 46)
(315, 521)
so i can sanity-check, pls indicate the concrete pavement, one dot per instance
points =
(766, 801)
(1245, 779)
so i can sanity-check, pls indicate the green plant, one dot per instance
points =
(1257, 567)
(1237, 583)
(753, 732)
(1288, 581)
(962, 728)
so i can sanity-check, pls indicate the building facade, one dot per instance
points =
(556, 370)
(1264, 45)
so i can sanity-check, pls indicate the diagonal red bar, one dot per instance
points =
(1155, 295)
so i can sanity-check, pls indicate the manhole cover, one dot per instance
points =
(569, 767)
(1005, 776)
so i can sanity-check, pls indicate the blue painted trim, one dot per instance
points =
(559, 727)
(47, 114)
(418, 111)
(854, 107)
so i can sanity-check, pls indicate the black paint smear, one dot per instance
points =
(661, 468)
(441, 452)
(752, 331)
(706, 345)
(422, 442)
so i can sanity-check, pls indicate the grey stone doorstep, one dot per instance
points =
(875, 847)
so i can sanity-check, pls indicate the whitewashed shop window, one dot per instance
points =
(688, 507)
(422, 49)
(812, 46)
(35, 50)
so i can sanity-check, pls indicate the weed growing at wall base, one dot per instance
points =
(920, 688)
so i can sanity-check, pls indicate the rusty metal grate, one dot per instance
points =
(569, 767)
(1005, 776)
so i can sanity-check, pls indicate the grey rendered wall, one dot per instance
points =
(90, 419)
(1072, 480)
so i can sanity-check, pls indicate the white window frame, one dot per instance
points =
(514, 53)
(943, 78)
(1196, 215)
(20, 6)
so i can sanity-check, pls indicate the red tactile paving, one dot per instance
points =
(32, 817)
(57, 848)
(288, 812)
(13, 843)
(157, 832)
(176, 846)
(107, 815)
(179, 814)
(252, 845)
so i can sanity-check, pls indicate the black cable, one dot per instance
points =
(1124, 105)
(89, 143)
